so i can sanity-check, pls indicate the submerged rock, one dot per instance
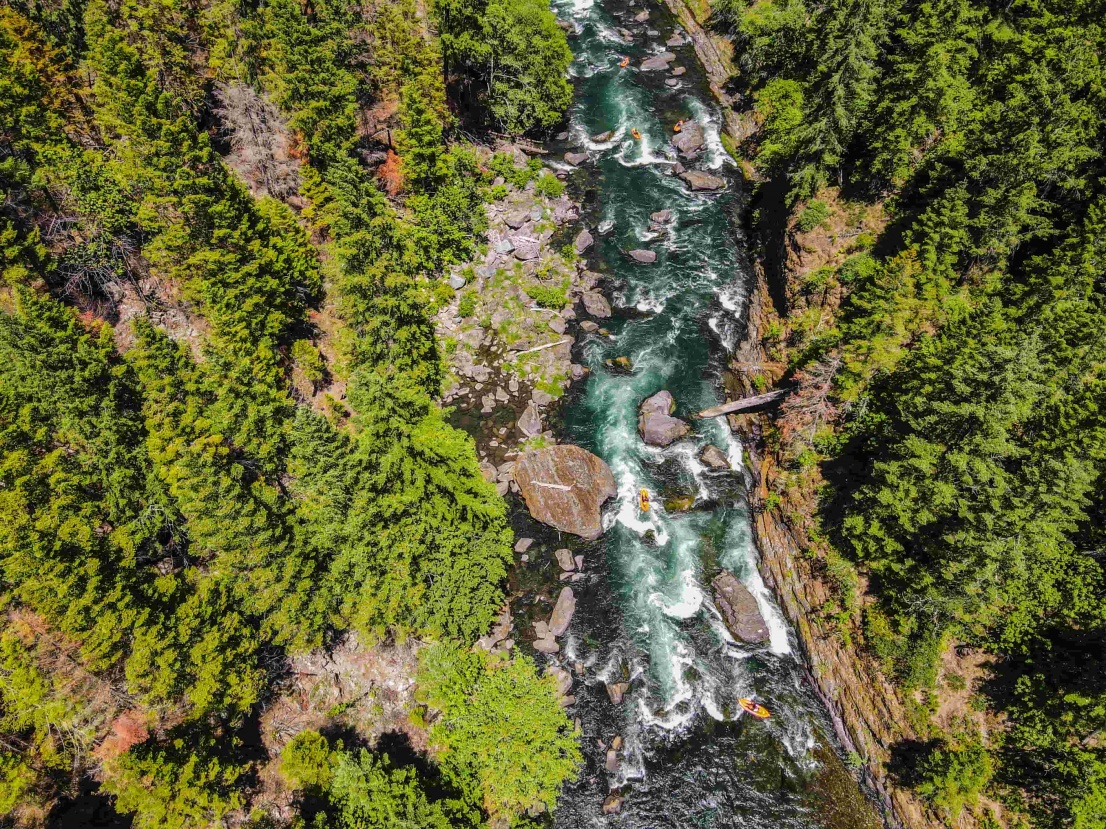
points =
(698, 180)
(620, 365)
(612, 764)
(562, 612)
(656, 424)
(713, 457)
(565, 487)
(739, 609)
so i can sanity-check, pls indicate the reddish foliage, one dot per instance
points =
(128, 729)
(809, 406)
(390, 174)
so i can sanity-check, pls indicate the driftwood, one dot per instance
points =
(746, 404)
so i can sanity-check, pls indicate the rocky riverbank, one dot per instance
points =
(507, 335)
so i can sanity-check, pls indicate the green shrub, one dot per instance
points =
(811, 216)
(550, 186)
(309, 361)
(952, 777)
(497, 193)
(306, 762)
(547, 296)
(858, 267)
(467, 306)
(865, 241)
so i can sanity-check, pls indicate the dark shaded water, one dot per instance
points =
(690, 758)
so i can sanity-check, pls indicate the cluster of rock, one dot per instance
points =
(546, 633)
(509, 358)
(655, 421)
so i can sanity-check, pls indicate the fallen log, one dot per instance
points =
(746, 404)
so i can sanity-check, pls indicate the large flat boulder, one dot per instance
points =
(655, 421)
(739, 609)
(657, 63)
(645, 256)
(698, 180)
(565, 487)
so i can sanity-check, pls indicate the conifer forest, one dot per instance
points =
(231, 480)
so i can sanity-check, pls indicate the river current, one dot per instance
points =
(690, 758)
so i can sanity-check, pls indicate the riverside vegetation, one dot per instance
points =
(224, 227)
(940, 319)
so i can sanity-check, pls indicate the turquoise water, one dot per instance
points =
(689, 759)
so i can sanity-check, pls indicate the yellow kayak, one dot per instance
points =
(757, 710)
(643, 500)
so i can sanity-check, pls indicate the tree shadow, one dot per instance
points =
(906, 759)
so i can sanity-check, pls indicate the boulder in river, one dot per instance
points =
(698, 180)
(565, 487)
(603, 137)
(575, 159)
(641, 17)
(739, 609)
(612, 804)
(645, 256)
(661, 217)
(689, 142)
(656, 424)
(616, 691)
(562, 612)
(714, 457)
(596, 304)
(657, 63)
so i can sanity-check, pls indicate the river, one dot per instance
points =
(690, 758)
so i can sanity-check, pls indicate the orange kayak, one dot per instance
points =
(624, 63)
(678, 126)
(757, 710)
(635, 134)
(643, 500)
